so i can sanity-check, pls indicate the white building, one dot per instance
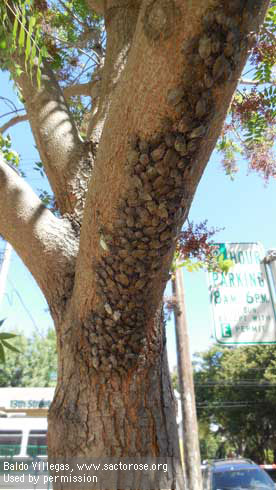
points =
(23, 421)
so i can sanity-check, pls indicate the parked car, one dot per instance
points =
(228, 474)
(270, 469)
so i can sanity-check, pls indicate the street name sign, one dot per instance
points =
(241, 302)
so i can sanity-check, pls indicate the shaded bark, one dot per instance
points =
(96, 5)
(47, 245)
(114, 411)
(122, 397)
(67, 160)
(120, 22)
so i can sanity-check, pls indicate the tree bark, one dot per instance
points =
(116, 410)
(12, 122)
(183, 115)
(67, 160)
(47, 245)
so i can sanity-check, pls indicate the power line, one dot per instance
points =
(265, 384)
(25, 308)
(238, 404)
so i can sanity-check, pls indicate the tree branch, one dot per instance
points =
(166, 106)
(120, 21)
(244, 81)
(46, 244)
(270, 34)
(12, 122)
(57, 139)
(69, 11)
(79, 89)
(96, 5)
(82, 51)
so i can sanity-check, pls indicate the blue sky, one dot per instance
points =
(245, 208)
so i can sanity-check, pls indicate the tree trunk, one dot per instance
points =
(123, 412)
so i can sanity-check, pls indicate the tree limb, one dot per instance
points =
(244, 81)
(69, 11)
(269, 34)
(96, 5)
(82, 51)
(79, 89)
(12, 122)
(47, 245)
(120, 20)
(57, 139)
(159, 96)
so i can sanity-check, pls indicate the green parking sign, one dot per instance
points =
(242, 306)
(226, 331)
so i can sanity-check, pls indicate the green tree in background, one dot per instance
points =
(235, 395)
(34, 365)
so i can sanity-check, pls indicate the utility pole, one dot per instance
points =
(4, 267)
(192, 468)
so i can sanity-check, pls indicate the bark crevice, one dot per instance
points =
(114, 415)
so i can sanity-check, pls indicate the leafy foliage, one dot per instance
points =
(5, 344)
(67, 36)
(8, 153)
(21, 33)
(250, 129)
(71, 38)
(48, 201)
(196, 250)
(34, 365)
(74, 38)
(212, 445)
(235, 392)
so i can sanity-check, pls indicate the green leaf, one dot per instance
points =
(32, 58)
(14, 30)
(10, 347)
(32, 22)
(21, 39)
(7, 335)
(18, 71)
(44, 52)
(2, 354)
(2, 321)
(224, 264)
(38, 76)
(28, 48)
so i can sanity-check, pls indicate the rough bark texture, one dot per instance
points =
(122, 414)
(171, 69)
